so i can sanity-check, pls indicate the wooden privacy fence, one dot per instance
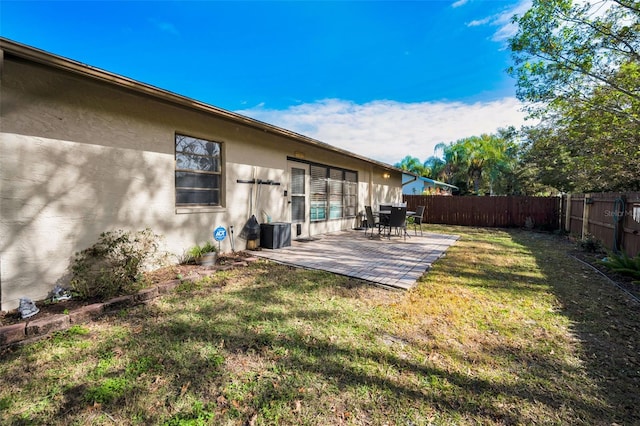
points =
(613, 218)
(499, 212)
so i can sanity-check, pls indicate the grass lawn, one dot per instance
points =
(506, 329)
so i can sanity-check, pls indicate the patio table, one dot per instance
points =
(387, 213)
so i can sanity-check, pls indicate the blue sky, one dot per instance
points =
(381, 79)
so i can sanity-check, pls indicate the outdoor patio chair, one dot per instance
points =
(371, 221)
(417, 220)
(398, 220)
(384, 218)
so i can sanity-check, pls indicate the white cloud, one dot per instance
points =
(459, 3)
(479, 22)
(506, 29)
(387, 130)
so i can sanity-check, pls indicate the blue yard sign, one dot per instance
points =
(220, 233)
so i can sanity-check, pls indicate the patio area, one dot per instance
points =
(394, 263)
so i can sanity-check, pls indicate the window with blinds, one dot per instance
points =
(334, 193)
(318, 196)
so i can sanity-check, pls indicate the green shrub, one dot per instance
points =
(590, 244)
(623, 264)
(115, 264)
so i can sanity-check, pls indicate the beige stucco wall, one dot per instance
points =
(80, 157)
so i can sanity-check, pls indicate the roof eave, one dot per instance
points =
(56, 61)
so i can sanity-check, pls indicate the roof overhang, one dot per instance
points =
(12, 48)
(416, 177)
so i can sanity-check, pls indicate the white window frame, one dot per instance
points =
(192, 163)
(334, 193)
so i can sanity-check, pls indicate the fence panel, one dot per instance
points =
(499, 212)
(576, 211)
(612, 217)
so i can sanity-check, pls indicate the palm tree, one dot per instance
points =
(470, 160)
(454, 170)
(411, 164)
(434, 167)
(483, 152)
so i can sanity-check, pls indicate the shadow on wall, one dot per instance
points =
(80, 158)
(386, 194)
(58, 196)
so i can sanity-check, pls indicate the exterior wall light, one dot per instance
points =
(386, 175)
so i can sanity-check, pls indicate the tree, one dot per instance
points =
(508, 175)
(411, 164)
(482, 153)
(454, 171)
(434, 167)
(564, 52)
(547, 158)
(578, 67)
(585, 150)
(485, 163)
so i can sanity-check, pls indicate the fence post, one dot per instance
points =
(585, 215)
(567, 213)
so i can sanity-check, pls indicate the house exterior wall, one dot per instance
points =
(80, 157)
(413, 188)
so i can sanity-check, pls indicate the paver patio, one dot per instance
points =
(394, 263)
